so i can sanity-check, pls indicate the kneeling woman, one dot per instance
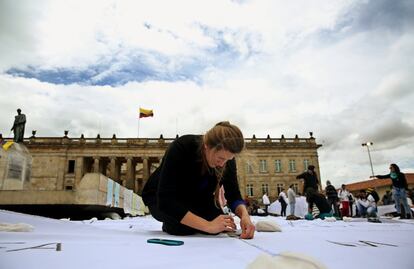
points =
(183, 191)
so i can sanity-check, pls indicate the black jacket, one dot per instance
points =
(399, 182)
(309, 180)
(177, 185)
(331, 193)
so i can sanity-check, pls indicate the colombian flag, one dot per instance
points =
(143, 113)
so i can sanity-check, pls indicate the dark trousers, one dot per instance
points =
(172, 226)
(333, 203)
(283, 211)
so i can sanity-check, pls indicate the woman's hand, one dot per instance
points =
(247, 227)
(246, 224)
(221, 223)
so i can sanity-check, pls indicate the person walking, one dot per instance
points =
(399, 187)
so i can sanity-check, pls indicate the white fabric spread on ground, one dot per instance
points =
(123, 244)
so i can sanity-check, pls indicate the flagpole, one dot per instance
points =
(138, 127)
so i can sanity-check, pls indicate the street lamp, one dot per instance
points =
(367, 144)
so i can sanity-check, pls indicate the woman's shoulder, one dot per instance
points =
(187, 142)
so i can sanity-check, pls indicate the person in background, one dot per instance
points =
(343, 195)
(399, 187)
(310, 180)
(319, 200)
(332, 198)
(361, 204)
(183, 192)
(291, 199)
(410, 195)
(283, 202)
(387, 198)
(351, 200)
(266, 201)
(367, 207)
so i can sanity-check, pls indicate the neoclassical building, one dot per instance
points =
(270, 164)
(59, 163)
(78, 177)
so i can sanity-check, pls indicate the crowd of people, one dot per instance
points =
(341, 203)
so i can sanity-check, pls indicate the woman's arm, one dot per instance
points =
(219, 224)
(383, 176)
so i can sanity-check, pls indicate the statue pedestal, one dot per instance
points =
(15, 166)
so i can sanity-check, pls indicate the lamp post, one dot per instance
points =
(367, 144)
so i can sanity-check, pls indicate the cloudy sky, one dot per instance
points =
(341, 69)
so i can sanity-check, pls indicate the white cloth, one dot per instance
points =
(128, 201)
(110, 192)
(265, 199)
(301, 207)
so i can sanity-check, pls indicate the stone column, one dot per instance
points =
(96, 164)
(145, 175)
(145, 169)
(61, 173)
(79, 170)
(113, 167)
(103, 165)
(130, 174)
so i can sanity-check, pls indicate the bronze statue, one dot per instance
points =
(18, 126)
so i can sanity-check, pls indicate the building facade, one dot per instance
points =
(59, 163)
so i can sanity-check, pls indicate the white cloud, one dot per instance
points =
(298, 67)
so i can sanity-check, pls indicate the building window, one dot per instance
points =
(265, 188)
(278, 166)
(249, 168)
(263, 166)
(279, 187)
(249, 189)
(296, 187)
(305, 164)
(292, 166)
(71, 166)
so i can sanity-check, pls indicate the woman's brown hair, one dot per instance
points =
(223, 135)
